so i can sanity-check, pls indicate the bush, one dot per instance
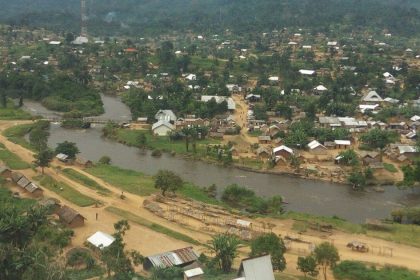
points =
(156, 153)
(240, 197)
(105, 160)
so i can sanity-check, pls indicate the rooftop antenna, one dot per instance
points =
(83, 17)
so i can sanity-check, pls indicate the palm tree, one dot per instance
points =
(225, 247)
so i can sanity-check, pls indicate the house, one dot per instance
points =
(342, 144)
(328, 122)
(162, 128)
(273, 79)
(101, 239)
(257, 268)
(193, 274)
(320, 89)
(180, 258)
(408, 151)
(52, 204)
(233, 88)
(263, 153)
(23, 182)
(62, 157)
(191, 77)
(283, 151)
(83, 162)
(219, 99)
(80, 40)
(5, 172)
(411, 135)
(16, 176)
(372, 96)
(317, 148)
(165, 115)
(70, 217)
(253, 97)
(264, 139)
(369, 157)
(34, 190)
(307, 72)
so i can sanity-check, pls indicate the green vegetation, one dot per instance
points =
(16, 134)
(155, 227)
(12, 160)
(65, 191)
(86, 181)
(163, 143)
(11, 112)
(124, 179)
(166, 180)
(27, 237)
(271, 244)
(390, 167)
(352, 270)
(242, 198)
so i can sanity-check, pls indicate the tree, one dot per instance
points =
(38, 137)
(349, 157)
(411, 174)
(224, 247)
(116, 259)
(105, 160)
(270, 244)
(43, 158)
(326, 255)
(377, 138)
(307, 265)
(142, 140)
(68, 148)
(167, 181)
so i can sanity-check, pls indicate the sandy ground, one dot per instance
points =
(150, 242)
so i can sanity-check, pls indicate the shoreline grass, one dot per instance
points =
(86, 181)
(65, 191)
(153, 226)
(11, 112)
(12, 160)
(16, 134)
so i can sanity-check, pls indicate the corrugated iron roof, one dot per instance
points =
(173, 258)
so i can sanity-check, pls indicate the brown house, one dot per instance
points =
(70, 217)
(5, 172)
(264, 139)
(16, 176)
(34, 190)
(83, 162)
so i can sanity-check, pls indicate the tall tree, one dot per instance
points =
(43, 158)
(68, 148)
(225, 247)
(307, 265)
(270, 244)
(326, 256)
(166, 180)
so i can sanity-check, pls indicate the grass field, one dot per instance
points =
(155, 227)
(124, 179)
(13, 113)
(65, 191)
(16, 134)
(143, 185)
(86, 181)
(12, 160)
(390, 167)
(129, 137)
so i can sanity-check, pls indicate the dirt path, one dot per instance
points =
(150, 242)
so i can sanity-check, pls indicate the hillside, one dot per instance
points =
(111, 17)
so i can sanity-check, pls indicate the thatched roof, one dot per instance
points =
(68, 214)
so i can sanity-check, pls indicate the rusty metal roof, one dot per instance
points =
(173, 258)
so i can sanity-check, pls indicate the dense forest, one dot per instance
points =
(111, 17)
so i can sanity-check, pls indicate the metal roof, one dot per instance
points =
(32, 188)
(259, 268)
(173, 258)
(101, 239)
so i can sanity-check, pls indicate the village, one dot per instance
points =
(343, 110)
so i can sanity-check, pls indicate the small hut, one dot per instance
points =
(70, 217)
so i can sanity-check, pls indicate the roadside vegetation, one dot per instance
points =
(64, 190)
(12, 160)
(86, 181)
(12, 112)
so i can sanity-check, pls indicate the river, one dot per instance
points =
(315, 197)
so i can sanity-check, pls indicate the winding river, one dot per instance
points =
(315, 197)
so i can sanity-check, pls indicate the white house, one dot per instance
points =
(317, 148)
(191, 77)
(101, 239)
(307, 72)
(372, 96)
(162, 128)
(320, 88)
(258, 268)
(165, 115)
(219, 99)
